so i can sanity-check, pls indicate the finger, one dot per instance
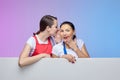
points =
(73, 59)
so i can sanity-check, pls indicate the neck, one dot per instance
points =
(43, 36)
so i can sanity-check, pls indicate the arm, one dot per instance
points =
(82, 53)
(54, 56)
(24, 58)
(69, 57)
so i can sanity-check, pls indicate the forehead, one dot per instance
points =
(66, 26)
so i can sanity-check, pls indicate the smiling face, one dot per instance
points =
(67, 32)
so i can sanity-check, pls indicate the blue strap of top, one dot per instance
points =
(64, 48)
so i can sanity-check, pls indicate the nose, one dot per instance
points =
(64, 33)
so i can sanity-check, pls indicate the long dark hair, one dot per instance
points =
(71, 25)
(46, 20)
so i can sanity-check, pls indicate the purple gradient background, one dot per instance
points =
(97, 23)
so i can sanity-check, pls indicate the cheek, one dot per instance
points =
(61, 34)
(71, 33)
(52, 29)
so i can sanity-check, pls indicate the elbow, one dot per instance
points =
(21, 63)
(87, 56)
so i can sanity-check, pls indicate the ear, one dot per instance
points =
(48, 28)
(74, 33)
